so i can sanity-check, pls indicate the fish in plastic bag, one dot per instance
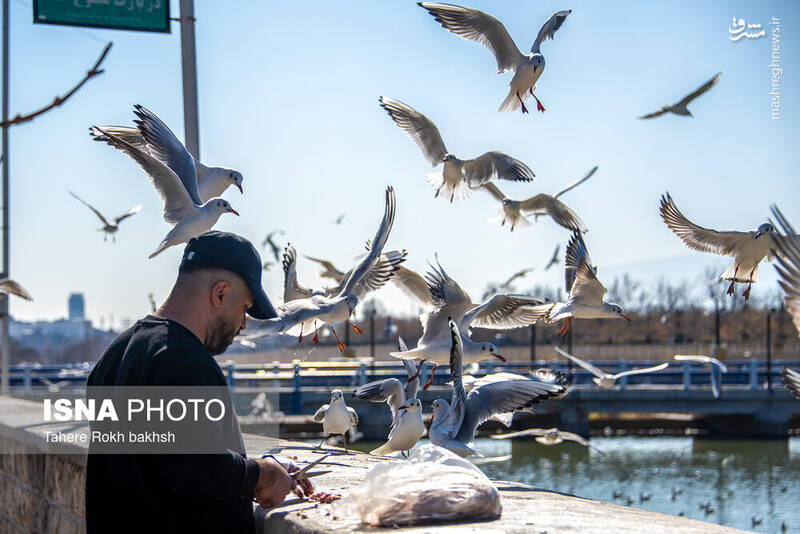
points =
(434, 485)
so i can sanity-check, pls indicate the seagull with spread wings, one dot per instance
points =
(477, 26)
(606, 380)
(792, 380)
(211, 181)
(513, 211)
(391, 390)
(788, 265)
(747, 248)
(172, 171)
(459, 176)
(585, 292)
(268, 240)
(454, 424)
(519, 274)
(680, 108)
(329, 270)
(109, 228)
(444, 300)
(305, 308)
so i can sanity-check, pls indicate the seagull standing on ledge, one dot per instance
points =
(336, 418)
(459, 176)
(474, 25)
(747, 248)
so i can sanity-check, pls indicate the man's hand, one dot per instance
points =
(273, 483)
(304, 487)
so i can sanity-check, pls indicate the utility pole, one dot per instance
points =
(189, 67)
(4, 351)
(769, 349)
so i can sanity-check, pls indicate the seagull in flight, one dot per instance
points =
(513, 211)
(747, 248)
(584, 289)
(329, 271)
(174, 176)
(606, 380)
(339, 219)
(709, 362)
(276, 250)
(459, 176)
(519, 274)
(553, 259)
(391, 390)
(454, 424)
(680, 108)
(109, 228)
(445, 300)
(477, 26)
(549, 437)
(211, 181)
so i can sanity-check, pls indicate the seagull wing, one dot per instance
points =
(375, 278)
(699, 238)
(518, 274)
(479, 27)
(699, 358)
(576, 183)
(412, 386)
(378, 242)
(292, 290)
(654, 114)
(788, 266)
(493, 190)
(455, 416)
(641, 370)
(319, 415)
(353, 416)
(136, 209)
(582, 282)
(132, 136)
(419, 128)
(502, 397)
(549, 28)
(583, 363)
(700, 90)
(792, 380)
(521, 433)
(556, 209)
(7, 285)
(569, 436)
(554, 259)
(79, 199)
(502, 312)
(327, 265)
(177, 203)
(413, 284)
(493, 165)
(446, 292)
(163, 144)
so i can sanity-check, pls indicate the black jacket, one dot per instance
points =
(168, 493)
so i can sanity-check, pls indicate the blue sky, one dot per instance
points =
(289, 96)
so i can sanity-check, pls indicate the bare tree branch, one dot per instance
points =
(58, 100)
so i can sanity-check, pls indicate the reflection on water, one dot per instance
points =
(740, 479)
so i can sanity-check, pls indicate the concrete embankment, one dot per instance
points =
(42, 491)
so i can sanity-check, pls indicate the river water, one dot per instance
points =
(741, 479)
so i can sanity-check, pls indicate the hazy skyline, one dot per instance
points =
(291, 100)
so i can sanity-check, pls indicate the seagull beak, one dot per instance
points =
(237, 184)
(500, 357)
(403, 408)
(231, 210)
(625, 317)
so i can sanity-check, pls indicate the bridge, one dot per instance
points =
(753, 401)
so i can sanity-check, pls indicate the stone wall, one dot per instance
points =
(40, 492)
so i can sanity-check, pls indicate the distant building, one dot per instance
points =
(76, 307)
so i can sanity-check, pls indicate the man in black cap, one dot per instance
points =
(219, 281)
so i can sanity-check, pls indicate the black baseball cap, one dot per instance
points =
(233, 253)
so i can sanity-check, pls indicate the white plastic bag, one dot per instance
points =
(432, 486)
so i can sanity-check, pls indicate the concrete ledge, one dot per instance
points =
(45, 493)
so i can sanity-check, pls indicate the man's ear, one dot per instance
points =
(220, 292)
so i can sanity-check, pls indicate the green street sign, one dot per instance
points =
(138, 15)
